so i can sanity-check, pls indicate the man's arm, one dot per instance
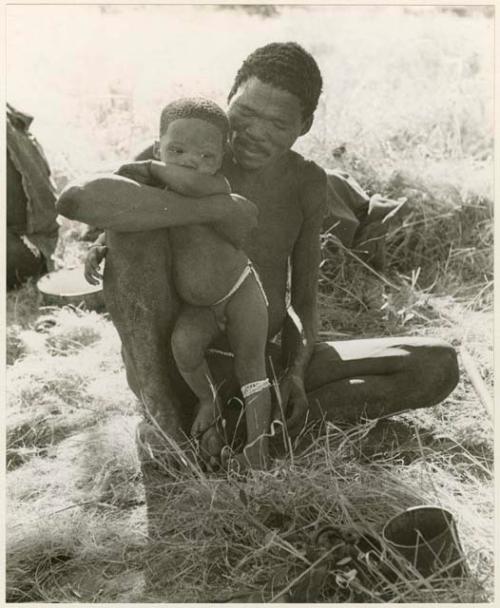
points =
(300, 328)
(188, 181)
(116, 203)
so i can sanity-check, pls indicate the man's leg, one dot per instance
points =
(143, 305)
(370, 378)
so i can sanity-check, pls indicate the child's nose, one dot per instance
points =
(191, 161)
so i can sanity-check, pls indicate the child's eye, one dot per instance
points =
(176, 150)
(244, 111)
(207, 155)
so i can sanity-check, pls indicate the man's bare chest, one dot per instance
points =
(279, 222)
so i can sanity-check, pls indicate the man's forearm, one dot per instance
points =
(298, 339)
(116, 203)
(189, 182)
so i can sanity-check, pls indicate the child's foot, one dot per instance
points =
(204, 429)
(205, 418)
(211, 444)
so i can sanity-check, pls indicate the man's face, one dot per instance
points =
(192, 143)
(265, 122)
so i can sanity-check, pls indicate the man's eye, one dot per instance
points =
(279, 125)
(176, 150)
(207, 155)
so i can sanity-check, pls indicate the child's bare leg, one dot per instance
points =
(194, 330)
(247, 326)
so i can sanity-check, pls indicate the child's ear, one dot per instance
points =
(156, 150)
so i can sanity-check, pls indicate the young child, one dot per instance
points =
(219, 287)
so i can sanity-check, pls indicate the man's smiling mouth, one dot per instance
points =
(250, 148)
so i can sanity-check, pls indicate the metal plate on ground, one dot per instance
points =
(67, 283)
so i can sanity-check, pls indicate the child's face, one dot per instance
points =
(193, 143)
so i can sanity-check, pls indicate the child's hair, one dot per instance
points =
(195, 107)
(287, 66)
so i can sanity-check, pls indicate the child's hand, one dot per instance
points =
(138, 171)
(94, 257)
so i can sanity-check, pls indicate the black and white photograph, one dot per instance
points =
(249, 299)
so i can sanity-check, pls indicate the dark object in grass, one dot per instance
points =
(345, 563)
(427, 537)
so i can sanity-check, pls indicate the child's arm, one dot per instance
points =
(188, 182)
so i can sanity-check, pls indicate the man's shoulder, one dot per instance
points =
(311, 182)
(306, 170)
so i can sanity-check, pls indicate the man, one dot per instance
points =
(271, 104)
(32, 228)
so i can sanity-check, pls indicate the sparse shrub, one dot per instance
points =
(23, 305)
(72, 329)
(36, 431)
(14, 345)
(68, 341)
(68, 555)
(108, 466)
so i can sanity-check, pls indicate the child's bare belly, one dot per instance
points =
(205, 265)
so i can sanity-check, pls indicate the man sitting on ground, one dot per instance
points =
(218, 285)
(271, 104)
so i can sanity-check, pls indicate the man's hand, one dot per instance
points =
(370, 237)
(95, 256)
(138, 171)
(294, 402)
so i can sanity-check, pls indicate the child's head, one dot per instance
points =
(193, 133)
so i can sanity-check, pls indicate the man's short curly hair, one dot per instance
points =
(287, 66)
(195, 107)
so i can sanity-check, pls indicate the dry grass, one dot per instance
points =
(233, 540)
(76, 505)
(77, 528)
(255, 539)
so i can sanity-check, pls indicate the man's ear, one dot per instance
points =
(156, 150)
(307, 124)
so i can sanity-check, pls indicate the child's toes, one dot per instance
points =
(211, 442)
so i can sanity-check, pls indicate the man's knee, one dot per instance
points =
(138, 241)
(446, 359)
(440, 363)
